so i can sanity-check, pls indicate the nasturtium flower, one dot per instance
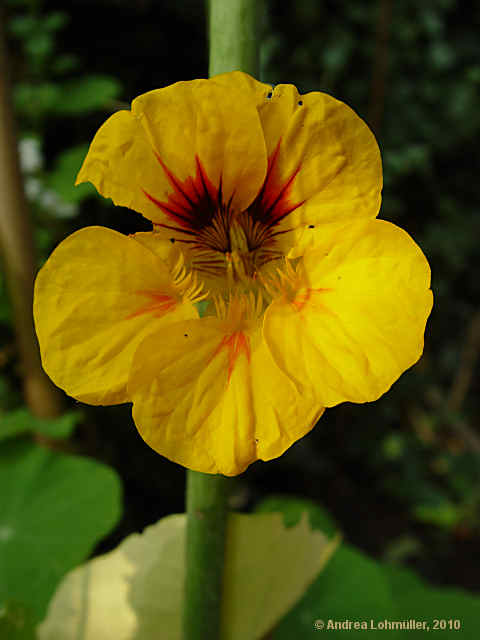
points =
(266, 290)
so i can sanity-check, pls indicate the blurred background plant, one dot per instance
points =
(400, 476)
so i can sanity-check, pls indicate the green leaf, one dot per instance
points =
(357, 588)
(418, 600)
(445, 515)
(39, 45)
(54, 508)
(352, 587)
(62, 178)
(22, 26)
(34, 101)
(135, 592)
(55, 20)
(293, 510)
(22, 421)
(64, 63)
(88, 93)
(16, 622)
(72, 98)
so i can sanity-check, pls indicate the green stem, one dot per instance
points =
(233, 35)
(233, 30)
(206, 527)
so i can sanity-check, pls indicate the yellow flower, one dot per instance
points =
(263, 205)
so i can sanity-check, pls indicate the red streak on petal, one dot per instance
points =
(159, 304)
(236, 343)
(193, 201)
(301, 299)
(273, 202)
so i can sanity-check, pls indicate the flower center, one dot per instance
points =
(245, 253)
(228, 246)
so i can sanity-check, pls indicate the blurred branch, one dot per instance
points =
(462, 381)
(380, 65)
(467, 433)
(468, 360)
(450, 409)
(17, 249)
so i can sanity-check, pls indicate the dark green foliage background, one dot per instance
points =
(401, 476)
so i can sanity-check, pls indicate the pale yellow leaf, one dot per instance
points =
(135, 592)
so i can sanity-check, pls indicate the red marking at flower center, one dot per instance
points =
(210, 226)
(193, 202)
(159, 304)
(272, 203)
(236, 343)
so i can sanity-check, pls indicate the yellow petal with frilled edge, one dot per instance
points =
(321, 153)
(353, 318)
(215, 402)
(179, 144)
(157, 244)
(98, 295)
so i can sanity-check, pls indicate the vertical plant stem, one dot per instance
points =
(206, 527)
(233, 38)
(17, 249)
(233, 29)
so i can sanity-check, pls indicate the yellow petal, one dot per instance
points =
(215, 402)
(98, 295)
(241, 81)
(340, 170)
(158, 245)
(321, 148)
(174, 140)
(358, 322)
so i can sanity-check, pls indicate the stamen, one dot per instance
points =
(187, 282)
(240, 311)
